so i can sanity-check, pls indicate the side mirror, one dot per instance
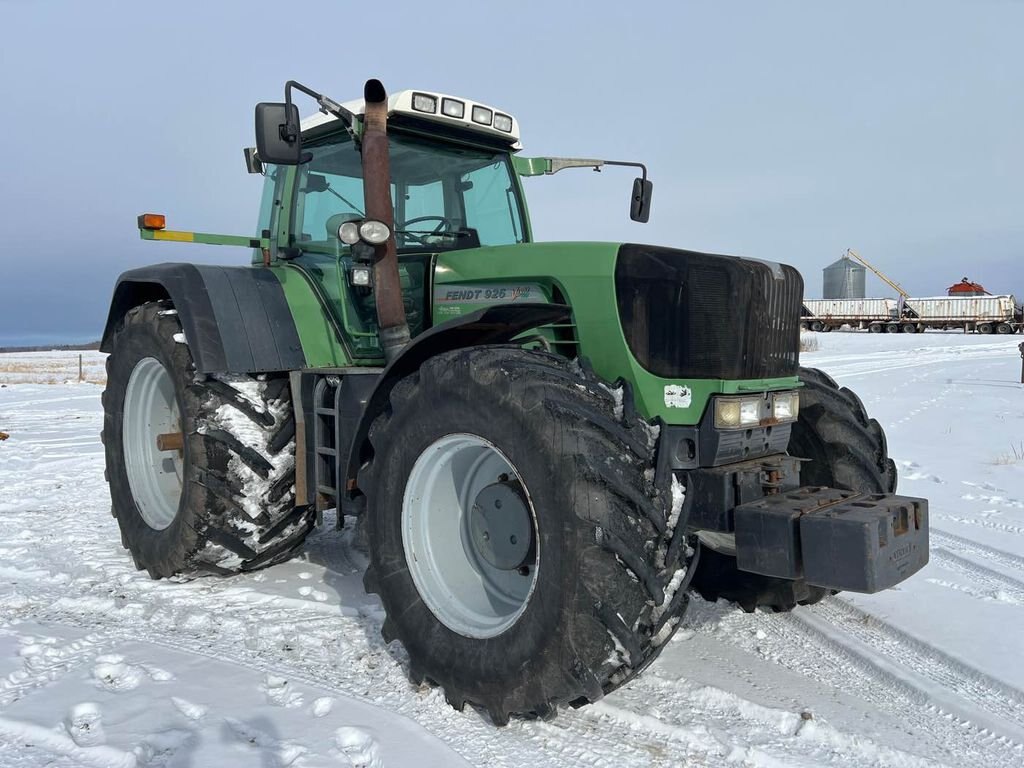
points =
(640, 203)
(278, 140)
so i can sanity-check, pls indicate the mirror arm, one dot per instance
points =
(327, 106)
(641, 166)
(556, 164)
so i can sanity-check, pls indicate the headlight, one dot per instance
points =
(733, 412)
(348, 232)
(727, 413)
(374, 232)
(754, 410)
(503, 122)
(786, 406)
(750, 412)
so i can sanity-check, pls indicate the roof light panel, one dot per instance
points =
(437, 106)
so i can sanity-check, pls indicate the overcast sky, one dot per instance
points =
(786, 131)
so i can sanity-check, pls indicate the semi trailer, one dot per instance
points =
(980, 314)
(826, 314)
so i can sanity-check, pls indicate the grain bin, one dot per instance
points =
(843, 279)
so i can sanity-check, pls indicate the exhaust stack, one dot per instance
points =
(394, 329)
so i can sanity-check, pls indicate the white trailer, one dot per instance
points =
(826, 314)
(984, 314)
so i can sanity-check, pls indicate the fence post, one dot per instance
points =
(1021, 348)
(81, 374)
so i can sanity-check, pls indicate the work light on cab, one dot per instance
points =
(454, 108)
(348, 232)
(374, 232)
(503, 122)
(424, 102)
(362, 276)
(481, 115)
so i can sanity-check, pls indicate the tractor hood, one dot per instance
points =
(669, 320)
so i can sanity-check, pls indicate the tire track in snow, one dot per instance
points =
(812, 647)
(287, 641)
(43, 664)
(940, 673)
(991, 525)
(319, 652)
(996, 583)
(962, 546)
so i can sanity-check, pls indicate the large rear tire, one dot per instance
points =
(845, 449)
(589, 601)
(225, 501)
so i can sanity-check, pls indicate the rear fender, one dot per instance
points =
(235, 319)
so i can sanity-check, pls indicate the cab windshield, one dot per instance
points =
(445, 197)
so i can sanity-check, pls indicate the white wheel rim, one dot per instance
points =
(154, 476)
(465, 592)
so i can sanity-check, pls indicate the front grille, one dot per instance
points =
(696, 315)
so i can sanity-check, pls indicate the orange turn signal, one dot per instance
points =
(152, 221)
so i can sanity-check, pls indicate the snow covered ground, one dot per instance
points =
(57, 367)
(99, 666)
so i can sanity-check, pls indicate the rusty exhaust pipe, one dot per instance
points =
(394, 329)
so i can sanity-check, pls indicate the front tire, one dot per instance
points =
(583, 607)
(224, 501)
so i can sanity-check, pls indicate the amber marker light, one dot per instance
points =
(152, 221)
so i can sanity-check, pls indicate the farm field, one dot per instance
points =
(100, 666)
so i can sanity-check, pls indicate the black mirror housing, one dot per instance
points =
(278, 139)
(640, 203)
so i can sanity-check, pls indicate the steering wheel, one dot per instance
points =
(443, 225)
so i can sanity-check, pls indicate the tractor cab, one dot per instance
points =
(452, 188)
(455, 185)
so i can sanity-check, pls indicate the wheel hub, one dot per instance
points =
(500, 526)
(469, 535)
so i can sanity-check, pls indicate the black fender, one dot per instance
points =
(496, 324)
(235, 319)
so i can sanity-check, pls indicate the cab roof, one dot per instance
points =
(452, 111)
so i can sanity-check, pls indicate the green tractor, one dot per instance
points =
(546, 446)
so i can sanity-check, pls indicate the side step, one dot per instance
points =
(833, 538)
